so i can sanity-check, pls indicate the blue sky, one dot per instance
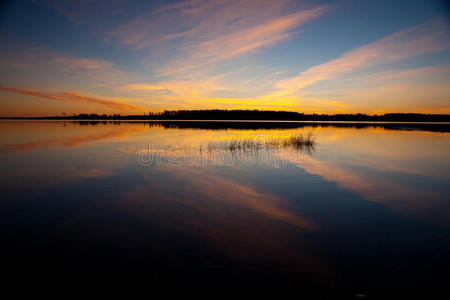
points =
(308, 56)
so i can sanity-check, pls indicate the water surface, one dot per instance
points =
(365, 212)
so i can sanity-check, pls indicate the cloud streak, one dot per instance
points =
(74, 97)
(212, 51)
(204, 33)
(422, 39)
(45, 60)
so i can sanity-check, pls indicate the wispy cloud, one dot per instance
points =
(189, 91)
(74, 97)
(401, 88)
(426, 38)
(46, 62)
(203, 33)
(211, 51)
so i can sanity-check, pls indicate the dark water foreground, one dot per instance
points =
(365, 214)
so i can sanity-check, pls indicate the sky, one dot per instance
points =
(134, 57)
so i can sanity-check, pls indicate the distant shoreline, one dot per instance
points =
(250, 115)
(224, 121)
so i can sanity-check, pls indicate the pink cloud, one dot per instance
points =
(425, 38)
(74, 97)
(200, 33)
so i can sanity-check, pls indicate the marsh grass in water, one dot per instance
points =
(300, 142)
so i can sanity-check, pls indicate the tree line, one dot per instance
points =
(263, 115)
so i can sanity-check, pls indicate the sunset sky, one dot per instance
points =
(132, 57)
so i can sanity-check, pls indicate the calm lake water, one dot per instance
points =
(364, 211)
